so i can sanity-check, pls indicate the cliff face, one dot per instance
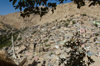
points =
(63, 10)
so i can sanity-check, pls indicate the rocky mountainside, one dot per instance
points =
(62, 10)
(59, 39)
(46, 44)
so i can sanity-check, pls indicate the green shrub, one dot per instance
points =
(46, 40)
(73, 22)
(66, 24)
(83, 14)
(5, 40)
(47, 45)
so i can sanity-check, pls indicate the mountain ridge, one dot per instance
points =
(62, 11)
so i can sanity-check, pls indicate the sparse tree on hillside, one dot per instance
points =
(33, 6)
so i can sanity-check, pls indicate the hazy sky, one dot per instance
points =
(6, 7)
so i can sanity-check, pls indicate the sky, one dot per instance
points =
(7, 8)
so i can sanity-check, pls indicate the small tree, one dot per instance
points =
(76, 54)
(33, 6)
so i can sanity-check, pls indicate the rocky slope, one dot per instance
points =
(44, 44)
(62, 10)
